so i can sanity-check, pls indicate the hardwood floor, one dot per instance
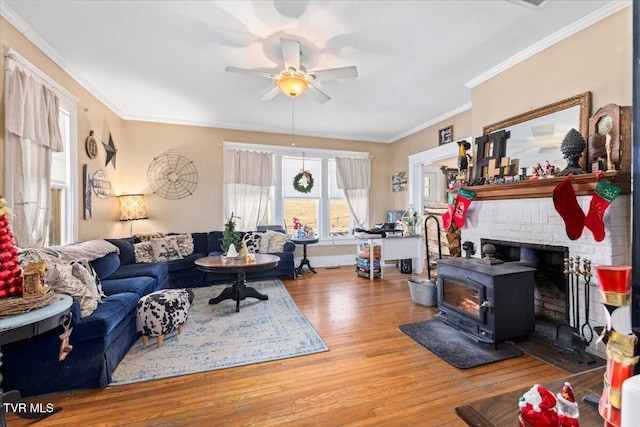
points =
(372, 375)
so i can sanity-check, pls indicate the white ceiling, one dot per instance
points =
(164, 61)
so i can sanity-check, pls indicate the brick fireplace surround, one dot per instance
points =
(537, 221)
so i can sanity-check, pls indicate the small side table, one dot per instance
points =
(27, 325)
(305, 261)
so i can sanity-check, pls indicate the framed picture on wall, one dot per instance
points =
(86, 187)
(446, 135)
(399, 182)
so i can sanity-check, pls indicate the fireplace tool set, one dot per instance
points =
(574, 337)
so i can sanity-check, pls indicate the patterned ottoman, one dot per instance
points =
(162, 312)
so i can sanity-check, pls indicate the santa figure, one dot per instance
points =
(568, 411)
(538, 408)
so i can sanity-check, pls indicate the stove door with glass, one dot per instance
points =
(493, 303)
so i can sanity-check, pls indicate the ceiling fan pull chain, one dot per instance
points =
(293, 123)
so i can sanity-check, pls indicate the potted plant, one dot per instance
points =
(230, 237)
(411, 222)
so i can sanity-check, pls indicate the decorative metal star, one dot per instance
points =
(111, 152)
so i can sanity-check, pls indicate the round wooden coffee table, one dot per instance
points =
(238, 266)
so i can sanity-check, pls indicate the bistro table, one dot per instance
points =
(26, 325)
(238, 266)
(304, 241)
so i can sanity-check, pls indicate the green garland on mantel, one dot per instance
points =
(298, 186)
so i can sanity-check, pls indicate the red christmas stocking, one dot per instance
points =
(462, 204)
(564, 199)
(602, 197)
(448, 215)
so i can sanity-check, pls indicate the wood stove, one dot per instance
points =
(489, 303)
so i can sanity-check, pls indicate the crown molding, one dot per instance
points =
(554, 38)
(248, 128)
(462, 108)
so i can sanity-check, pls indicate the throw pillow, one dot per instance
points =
(86, 264)
(252, 241)
(165, 249)
(277, 241)
(143, 252)
(264, 242)
(185, 243)
(80, 272)
(148, 236)
(60, 278)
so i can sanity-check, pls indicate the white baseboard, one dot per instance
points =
(334, 261)
(328, 261)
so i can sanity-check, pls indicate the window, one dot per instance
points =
(340, 219)
(324, 208)
(64, 191)
(48, 203)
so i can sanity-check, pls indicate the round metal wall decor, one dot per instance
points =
(172, 176)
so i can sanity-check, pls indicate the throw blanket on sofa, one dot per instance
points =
(90, 250)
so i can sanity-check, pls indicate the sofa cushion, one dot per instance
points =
(252, 241)
(199, 242)
(185, 243)
(185, 263)
(106, 317)
(60, 278)
(140, 285)
(276, 241)
(214, 240)
(82, 270)
(157, 270)
(106, 265)
(165, 249)
(125, 246)
(143, 252)
(147, 237)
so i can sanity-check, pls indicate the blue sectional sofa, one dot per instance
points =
(101, 340)
(183, 272)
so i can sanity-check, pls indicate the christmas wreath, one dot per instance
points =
(299, 181)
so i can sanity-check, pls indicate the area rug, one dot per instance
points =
(216, 337)
(456, 348)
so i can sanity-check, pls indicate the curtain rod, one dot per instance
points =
(15, 56)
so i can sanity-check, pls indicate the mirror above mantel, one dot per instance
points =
(535, 137)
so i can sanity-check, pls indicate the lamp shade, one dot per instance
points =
(292, 85)
(132, 207)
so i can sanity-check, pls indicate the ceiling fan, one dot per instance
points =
(294, 79)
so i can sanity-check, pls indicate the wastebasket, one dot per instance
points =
(423, 291)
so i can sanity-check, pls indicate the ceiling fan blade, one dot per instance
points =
(336, 73)
(317, 94)
(272, 93)
(252, 72)
(291, 53)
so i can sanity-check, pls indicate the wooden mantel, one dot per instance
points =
(582, 184)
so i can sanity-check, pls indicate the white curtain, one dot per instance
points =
(33, 133)
(354, 178)
(248, 177)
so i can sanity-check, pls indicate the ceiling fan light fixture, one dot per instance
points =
(292, 86)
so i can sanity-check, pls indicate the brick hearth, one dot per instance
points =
(536, 221)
